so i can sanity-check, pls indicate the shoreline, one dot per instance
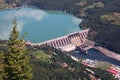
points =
(11, 8)
(108, 53)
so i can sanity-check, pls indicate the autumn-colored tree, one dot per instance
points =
(17, 58)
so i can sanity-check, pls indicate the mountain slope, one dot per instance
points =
(60, 66)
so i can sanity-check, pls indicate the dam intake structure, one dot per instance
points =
(66, 43)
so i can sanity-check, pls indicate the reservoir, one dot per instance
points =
(39, 24)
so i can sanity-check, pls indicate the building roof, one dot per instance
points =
(113, 71)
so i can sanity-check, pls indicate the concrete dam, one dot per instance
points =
(68, 42)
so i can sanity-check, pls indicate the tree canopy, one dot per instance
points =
(17, 59)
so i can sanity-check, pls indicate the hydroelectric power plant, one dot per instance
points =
(68, 42)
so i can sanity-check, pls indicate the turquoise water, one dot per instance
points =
(40, 25)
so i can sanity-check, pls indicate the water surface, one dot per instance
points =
(40, 25)
(95, 55)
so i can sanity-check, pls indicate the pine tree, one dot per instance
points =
(17, 58)
(1, 65)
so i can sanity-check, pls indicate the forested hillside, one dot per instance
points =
(52, 64)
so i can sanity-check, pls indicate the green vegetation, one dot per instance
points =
(5, 6)
(9, 4)
(82, 3)
(1, 65)
(102, 74)
(103, 65)
(17, 58)
(54, 69)
(41, 55)
(113, 19)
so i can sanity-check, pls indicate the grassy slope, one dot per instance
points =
(41, 55)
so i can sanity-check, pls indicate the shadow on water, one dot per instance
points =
(95, 55)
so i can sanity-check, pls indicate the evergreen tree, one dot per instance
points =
(1, 65)
(17, 59)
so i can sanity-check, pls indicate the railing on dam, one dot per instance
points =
(67, 42)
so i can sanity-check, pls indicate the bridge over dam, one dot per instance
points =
(68, 42)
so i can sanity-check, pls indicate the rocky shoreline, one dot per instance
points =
(108, 53)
